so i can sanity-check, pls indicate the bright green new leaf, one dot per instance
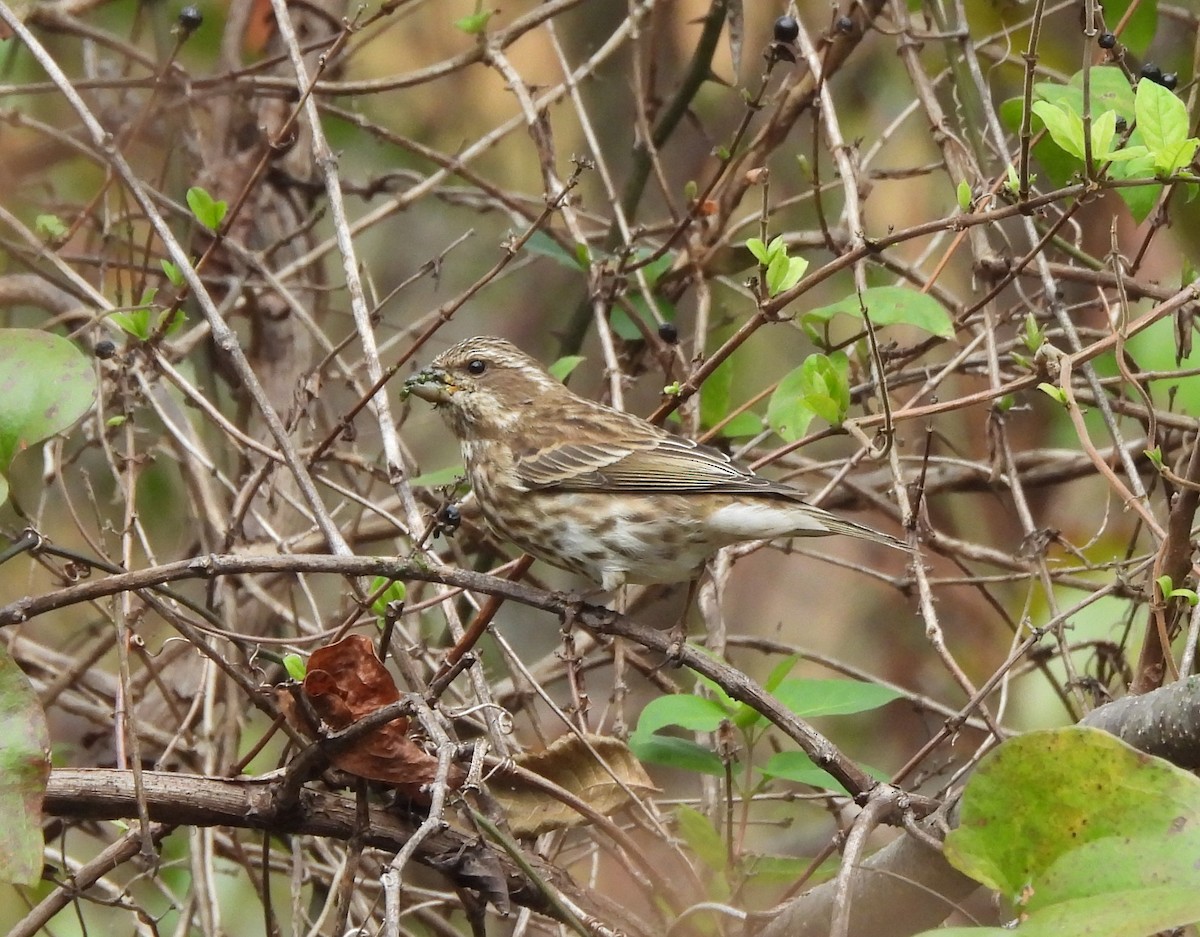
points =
(1162, 120)
(784, 273)
(209, 212)
(474, 24)
(1053, 390)
(392, 591)
(135, 322)
(758, 249)
(1065, 126)
(963, 193)
(50, 227)
(295, 666)
(1034, 336)
(172, 272)
(819, 387)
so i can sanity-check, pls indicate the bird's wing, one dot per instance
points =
(666, 464)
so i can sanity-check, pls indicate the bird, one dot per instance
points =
(598, 491)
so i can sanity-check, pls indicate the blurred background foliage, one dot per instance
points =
(443, 175)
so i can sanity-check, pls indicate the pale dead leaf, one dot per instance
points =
(569, 764)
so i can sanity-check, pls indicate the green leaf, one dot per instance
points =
(963, 193)
(178, 318)
(1054, 391)
(24, 770)
(209, 212)
(565, 365)
(50, 227)
(46, 384)
(1139, 199)
(758, 249)
(135, 322)
(784, 273)
(393, 591)
(1104, 131)
(716, 401)
(475, 24)
(671, 752)
(686, 710)
(779, 672)
(543, 245)
(811, 698)
(1155, 456)
(701, 837)
(1065, 126)
(1118, 821)
(1034, 336)
(798, 767)
(1163, 121)
(819, 387)
(172, 272)
(295, 666)
(1138, 912)
(1188, 595)
(788, 413)
(1012, 179)
(891, 305)
(745, 423)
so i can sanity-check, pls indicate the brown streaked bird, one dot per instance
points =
(598, 491)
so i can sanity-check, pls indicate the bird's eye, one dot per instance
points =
(476, 366)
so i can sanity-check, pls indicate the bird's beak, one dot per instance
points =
(432, 384)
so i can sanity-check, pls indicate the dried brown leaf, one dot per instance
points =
(571, 765)
(346, 682)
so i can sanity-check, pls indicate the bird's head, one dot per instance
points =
(483, 386)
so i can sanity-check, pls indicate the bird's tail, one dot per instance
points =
(839, 525)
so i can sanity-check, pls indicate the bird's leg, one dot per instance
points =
(678, 634)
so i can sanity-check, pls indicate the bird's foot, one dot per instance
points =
(678, 641)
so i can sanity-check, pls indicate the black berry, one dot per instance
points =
(1121, 125)
(669, 333)
(105, 349)
(844, 24)
(1107, 41)
(190, 18)
(1153, 72)
(448, 519)
(786, 29)
(1169, 81)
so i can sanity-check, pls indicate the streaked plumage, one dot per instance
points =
(598, 491)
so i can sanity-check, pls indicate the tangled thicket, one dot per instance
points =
(603, 180)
